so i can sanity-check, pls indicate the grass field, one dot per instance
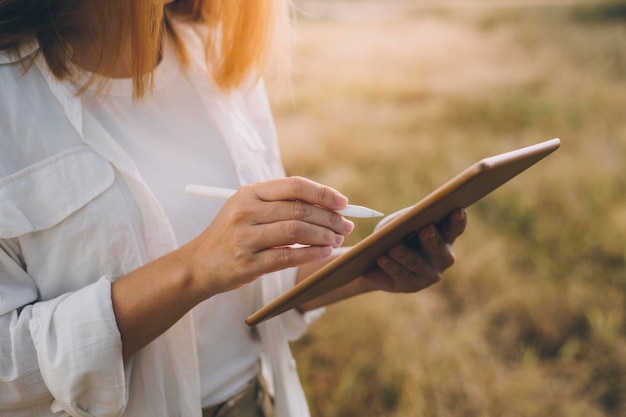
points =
(531, 320)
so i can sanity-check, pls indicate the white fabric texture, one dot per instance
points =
(173, 142)
(76, 214)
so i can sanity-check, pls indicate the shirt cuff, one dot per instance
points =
(79, 350)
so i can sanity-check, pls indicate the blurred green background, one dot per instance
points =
(388, 100)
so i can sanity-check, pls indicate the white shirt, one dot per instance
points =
(74, 215)
(173, 142)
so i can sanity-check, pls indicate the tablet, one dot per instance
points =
(461, 191)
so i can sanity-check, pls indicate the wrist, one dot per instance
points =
(362, 285)
(192, 279)
(149, 300)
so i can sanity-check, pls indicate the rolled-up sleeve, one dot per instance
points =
(65, 352)
(21, 383)
(79, 351)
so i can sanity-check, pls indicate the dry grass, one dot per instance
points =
(532, 319)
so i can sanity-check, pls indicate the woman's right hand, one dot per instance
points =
(253, 233)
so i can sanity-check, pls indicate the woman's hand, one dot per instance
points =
(253, 233)
(419, 264)
(407, 267)
(249, 237)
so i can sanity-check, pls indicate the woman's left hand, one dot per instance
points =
(408, 267)
(413, 267)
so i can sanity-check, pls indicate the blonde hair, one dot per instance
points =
(241, 34)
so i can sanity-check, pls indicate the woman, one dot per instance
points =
(106, 110)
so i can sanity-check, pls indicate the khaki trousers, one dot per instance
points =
(253, 401)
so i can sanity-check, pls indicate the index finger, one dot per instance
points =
(299, 188)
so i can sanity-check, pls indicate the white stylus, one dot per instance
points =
(224, 193)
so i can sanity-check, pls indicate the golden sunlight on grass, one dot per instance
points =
(531, 321)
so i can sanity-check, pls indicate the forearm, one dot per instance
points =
(149, 300)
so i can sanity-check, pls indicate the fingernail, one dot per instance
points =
(326, 251)
(460, 215)
(338, 240)
(383, 260)
(428, 232)
(348, 226)
(341, 199)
